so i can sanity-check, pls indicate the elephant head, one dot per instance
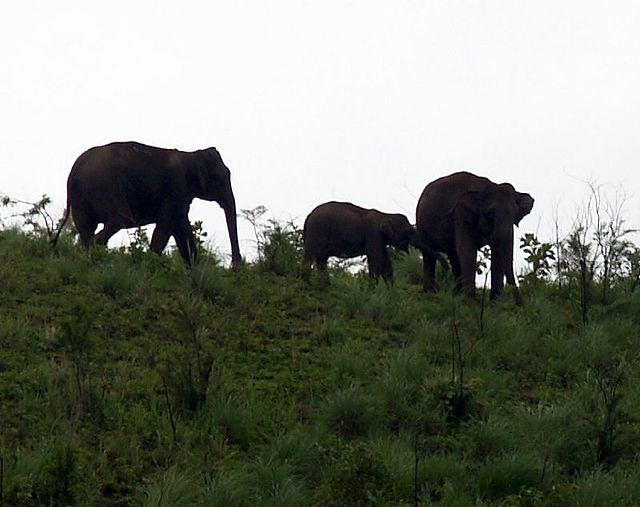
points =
(498, 207)
(524, 205)
(210, 179)
(398, 232)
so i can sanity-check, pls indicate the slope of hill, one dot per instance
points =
(126, 379)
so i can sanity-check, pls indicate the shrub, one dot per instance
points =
(42, 477)
(349, 413)
(489, 438)
(279, 244)
(172, 489)
(352, 361)
(282, 248)
(508, 474)
(408, 267)
(275, 484)
(442, 478)
(208, 281)
(117, 279)
(356, 477)
(354, 297)
(296, 448)
(402, 386)
(331, 331)
(413, 475)
(600, 488)
(226, 416)
(227, 489)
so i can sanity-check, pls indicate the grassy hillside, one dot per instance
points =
(125, 379)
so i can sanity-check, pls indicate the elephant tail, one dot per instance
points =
(54, 240)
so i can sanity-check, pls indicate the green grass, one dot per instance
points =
(126, 379)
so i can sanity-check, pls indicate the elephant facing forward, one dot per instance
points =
(459, 214)
(342, 229)
(129, 184)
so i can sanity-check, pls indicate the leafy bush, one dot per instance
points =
(279, 245)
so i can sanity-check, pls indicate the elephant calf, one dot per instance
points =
(342, 229)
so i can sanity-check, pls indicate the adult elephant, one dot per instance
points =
(129, 184)
(342, 229)
(459, 214)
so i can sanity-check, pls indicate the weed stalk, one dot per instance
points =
(416, 460)
(169, 409)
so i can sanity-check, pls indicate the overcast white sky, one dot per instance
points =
(365, 101)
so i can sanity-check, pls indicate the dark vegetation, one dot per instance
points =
(125, 379)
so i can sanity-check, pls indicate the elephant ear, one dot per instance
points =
(196, 173)
(524, 204)
(475, 190)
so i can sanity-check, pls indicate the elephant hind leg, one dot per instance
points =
(305, 266)
(86, 236)
(321, 264)
(429, 267)
(109, 229)
(160, 238)
(387, 270)
(86, 226)
(185, 241)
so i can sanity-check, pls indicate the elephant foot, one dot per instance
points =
(429, 288)
(517, 296)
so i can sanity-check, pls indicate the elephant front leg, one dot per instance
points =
(380, 266)
(387, 269)
(466, 266)
(497, 278)
(501, 268)
(511, 280)
(377, 258)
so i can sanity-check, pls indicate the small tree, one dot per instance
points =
(539, 256)
(35, 216)
(581, 262)
(609, 237)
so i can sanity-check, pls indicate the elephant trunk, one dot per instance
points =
(502, 265)
(232, 227)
